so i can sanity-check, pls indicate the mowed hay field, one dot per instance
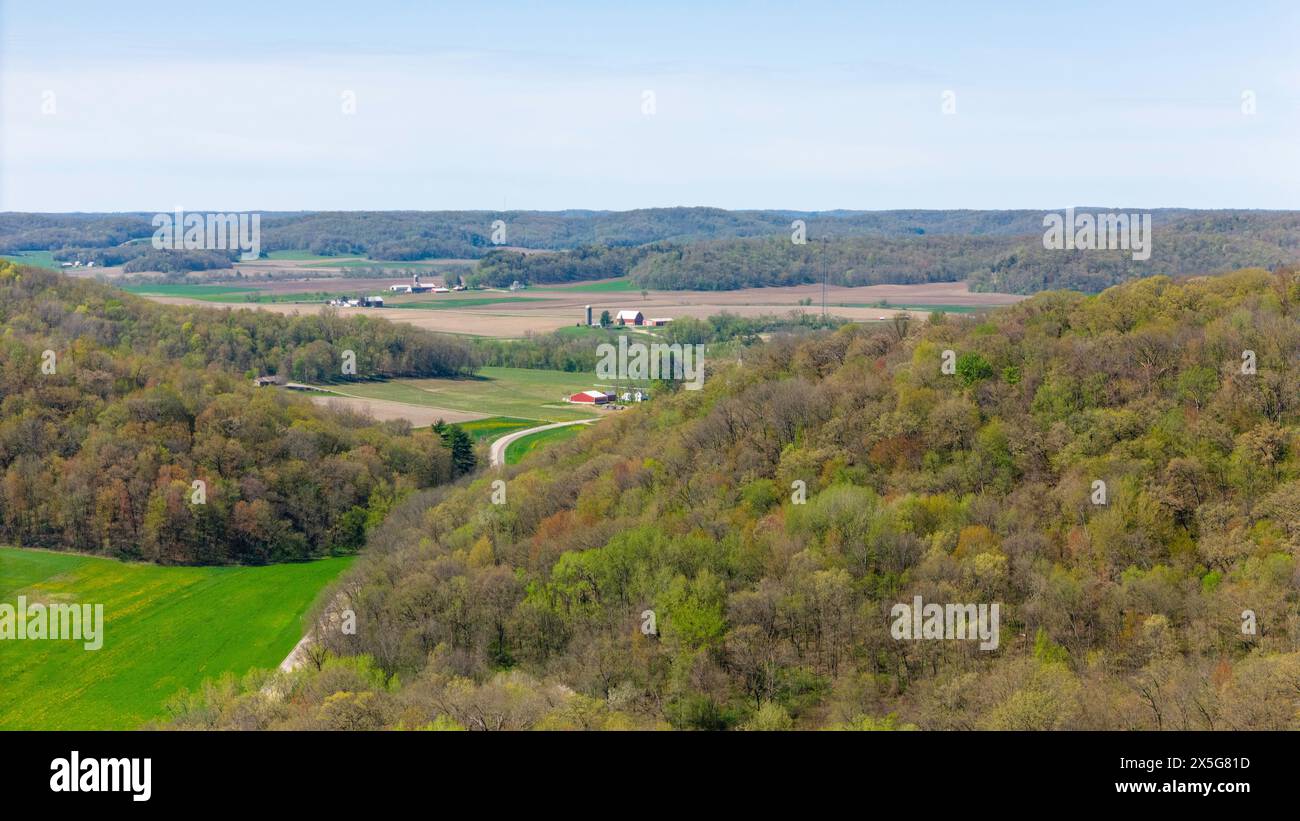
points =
(525, 445)
(165, 629)
(521, 393)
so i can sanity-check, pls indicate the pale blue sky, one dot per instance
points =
(801, 105)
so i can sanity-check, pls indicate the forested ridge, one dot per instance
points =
(111, 407)
(405, 235)
(974, 486)
(1009, 263)
(707, 248)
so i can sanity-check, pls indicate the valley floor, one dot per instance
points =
(549, 308)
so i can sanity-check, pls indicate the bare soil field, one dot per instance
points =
(557, 308)
(377, 285)
(384, 410)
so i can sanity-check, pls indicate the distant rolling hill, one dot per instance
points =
(710, 248)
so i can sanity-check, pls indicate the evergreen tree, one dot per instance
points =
(461, 445)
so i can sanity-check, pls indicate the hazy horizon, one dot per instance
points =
(1081, 207)
(823, 106)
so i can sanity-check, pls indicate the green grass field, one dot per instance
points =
(494, 426)
(166, 628)
(525, 445)
(592, 332)
(41, 259)
(521, 393)
(210, 293)
(610, 334)
(230, 294)
(296, 299)
(599, 286)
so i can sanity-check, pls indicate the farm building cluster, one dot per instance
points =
(415, 286)
(630, 317)
(638, 318)
(593, 397)
(358, 302)
(603, 397)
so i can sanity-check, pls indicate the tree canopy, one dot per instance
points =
(729, 558)
(133, 429)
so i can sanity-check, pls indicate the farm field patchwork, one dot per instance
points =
(165, 629)
(555, 307)
(262, 293)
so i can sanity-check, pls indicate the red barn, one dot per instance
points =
(592, 397)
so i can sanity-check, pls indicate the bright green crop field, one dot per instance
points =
(208, 293)
(165, 628)
(495, 426)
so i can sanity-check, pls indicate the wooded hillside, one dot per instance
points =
(111, 407)
(971, 487)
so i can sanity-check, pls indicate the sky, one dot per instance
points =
(378, 105)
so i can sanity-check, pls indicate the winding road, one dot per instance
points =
(298, 656)
(497, 455)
